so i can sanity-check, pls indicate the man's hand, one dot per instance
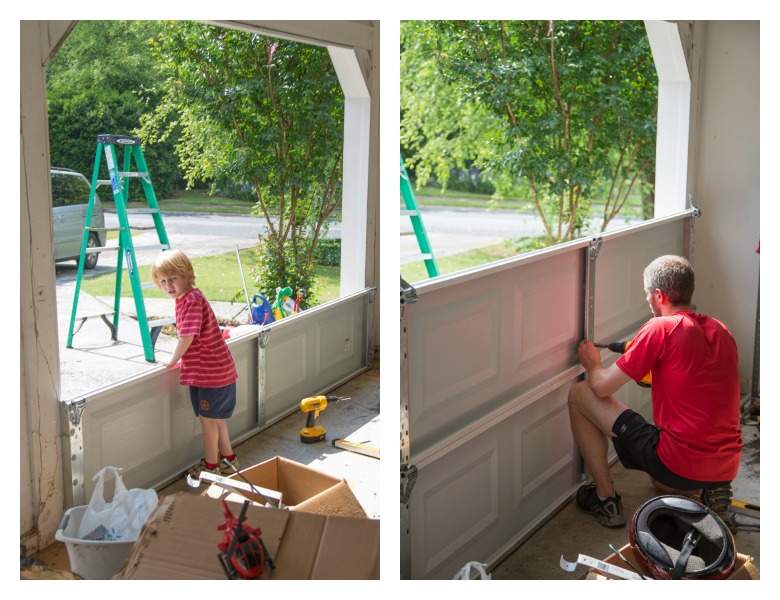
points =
(603, 382)
(589, 355)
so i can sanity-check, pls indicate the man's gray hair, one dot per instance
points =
(673, 275)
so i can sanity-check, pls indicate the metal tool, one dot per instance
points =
(599, 565)
(246, 294)
(242, 551)
(620, 348)
(356, 447)
(313, 406)
(272, 498)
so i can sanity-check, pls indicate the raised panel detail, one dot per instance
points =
(463, 490)
(130, 433)
(336, 339)
(545, 316)
(455, 350)
(286, 360)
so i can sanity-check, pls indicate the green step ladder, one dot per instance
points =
(418, 229)
(120, 187)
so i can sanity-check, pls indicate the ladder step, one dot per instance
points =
(109, 313)
(420, 256)
(115, 248)
(104, 316)
(410, 212)
(133, 174)
(407, 233)
(142, 211)
(161, 322)
(104, 228)
(154, 247)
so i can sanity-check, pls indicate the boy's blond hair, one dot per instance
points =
(172, 263)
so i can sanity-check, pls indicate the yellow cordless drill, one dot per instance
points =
(313, 406)
(620, 348)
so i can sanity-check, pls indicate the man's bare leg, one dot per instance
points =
(591, 420)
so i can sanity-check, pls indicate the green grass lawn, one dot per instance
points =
(193, 201)
(416, 271)
(218, 277)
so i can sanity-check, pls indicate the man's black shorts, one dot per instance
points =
(636, 443)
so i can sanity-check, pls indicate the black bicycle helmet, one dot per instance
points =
(675, 537)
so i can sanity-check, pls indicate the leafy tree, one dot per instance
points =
(102, 80)
(260, 111)
(558, 105)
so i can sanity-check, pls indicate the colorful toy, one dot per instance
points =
(279, 309)
(300, 296)
(262, 313)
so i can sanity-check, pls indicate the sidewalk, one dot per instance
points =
(95, 360)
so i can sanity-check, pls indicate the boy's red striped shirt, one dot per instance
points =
(208, 361)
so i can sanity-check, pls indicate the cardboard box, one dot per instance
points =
(179, 541)
(743, 568)
(302, 489)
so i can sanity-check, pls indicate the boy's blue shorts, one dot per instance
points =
(213, 403)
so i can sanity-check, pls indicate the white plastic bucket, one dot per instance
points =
(91, 559)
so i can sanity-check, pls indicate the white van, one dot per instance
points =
(70, 200)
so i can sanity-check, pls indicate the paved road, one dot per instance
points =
(455, 230)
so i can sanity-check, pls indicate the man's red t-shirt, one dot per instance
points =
(208, 362)
(693, 364)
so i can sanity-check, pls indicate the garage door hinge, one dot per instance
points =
(408, 478)
(408, 293)
(76, 410)
(595, 246)
(696, 211)
(262, 338)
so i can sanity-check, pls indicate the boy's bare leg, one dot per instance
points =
(211, 438)
(225, 447)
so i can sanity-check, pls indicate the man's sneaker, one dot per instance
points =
(201, 467)
(225, 469)
(719, 501)
(609, 512)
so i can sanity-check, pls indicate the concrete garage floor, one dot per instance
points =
(571, 532)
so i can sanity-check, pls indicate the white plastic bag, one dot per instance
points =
(466, 572)
(123, 517)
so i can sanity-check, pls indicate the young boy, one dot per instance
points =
(207, 365)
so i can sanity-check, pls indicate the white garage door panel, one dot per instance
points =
(474, 346)
(488, 357)
(468, 497)
(130, 432)
(621, 305)
(547, 318)
(338, 339)
(244, 417)
(287, 358)
(479, 499)
(312, 352)
(452, 351)
(542, 446)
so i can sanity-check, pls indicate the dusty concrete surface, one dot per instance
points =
(571, 532)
